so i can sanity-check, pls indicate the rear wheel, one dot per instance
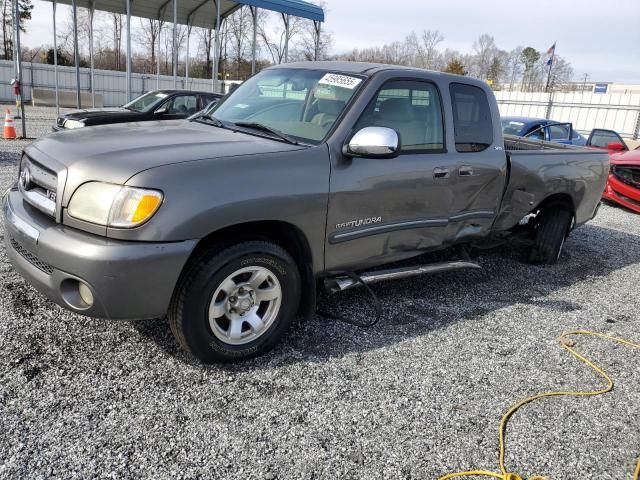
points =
(236, 304)
(549, 236)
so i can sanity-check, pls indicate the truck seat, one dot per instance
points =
(328, 111)
(397, 113)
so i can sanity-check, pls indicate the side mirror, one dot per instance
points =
(373, 142)
(162, 110)
(616, 147)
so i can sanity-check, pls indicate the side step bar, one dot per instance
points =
(341, 283)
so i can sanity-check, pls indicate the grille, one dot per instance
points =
(628, 175)
(31, 258)
(38, 185)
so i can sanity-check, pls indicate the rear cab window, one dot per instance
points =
(472, 122)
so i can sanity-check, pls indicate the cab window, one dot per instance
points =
(182, 105)
(558, 132)
(472, 120)
(413, 110)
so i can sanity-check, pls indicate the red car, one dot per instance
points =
(623, 184)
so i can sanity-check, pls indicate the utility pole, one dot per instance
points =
(584, 83)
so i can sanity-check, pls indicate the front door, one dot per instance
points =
(381, 209)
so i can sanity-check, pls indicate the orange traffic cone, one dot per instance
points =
(9, 127)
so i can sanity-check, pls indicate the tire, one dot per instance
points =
(257, 292)
(550, 234)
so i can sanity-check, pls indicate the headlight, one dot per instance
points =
(114, 205)
(73, 124)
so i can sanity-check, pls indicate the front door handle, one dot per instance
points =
(465, 171)
(440, 172)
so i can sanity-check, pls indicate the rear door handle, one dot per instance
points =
(465, 171)
(440, 172)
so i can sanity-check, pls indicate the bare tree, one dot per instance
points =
(484, 48)
(514, 65)
(147, 37)
(239, 26)
(275, 38)
(207, 39)
(305, 45)
(116, 19)
(429, 48)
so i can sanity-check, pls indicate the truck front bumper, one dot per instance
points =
(89, 274)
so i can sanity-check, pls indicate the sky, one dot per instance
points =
(599, 39)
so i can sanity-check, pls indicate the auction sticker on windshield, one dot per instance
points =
(337, 80)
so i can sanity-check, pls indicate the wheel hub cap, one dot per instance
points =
(245, 305)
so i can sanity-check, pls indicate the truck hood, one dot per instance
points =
(115, 153)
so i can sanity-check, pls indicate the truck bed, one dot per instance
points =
(540, 170)
(514, 143)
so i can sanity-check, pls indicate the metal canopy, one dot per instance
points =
(296, 8)
(193, 13)
(200, 13)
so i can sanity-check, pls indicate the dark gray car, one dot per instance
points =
(225, 222)
(152, 106)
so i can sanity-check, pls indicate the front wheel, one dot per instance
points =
(237, 303)
(550, 234)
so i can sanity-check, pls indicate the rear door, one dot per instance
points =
(480, 170)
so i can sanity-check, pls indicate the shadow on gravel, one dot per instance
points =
(415, 306)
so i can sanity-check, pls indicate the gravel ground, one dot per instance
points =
(417, 396)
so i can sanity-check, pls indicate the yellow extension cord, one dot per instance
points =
(568, 345)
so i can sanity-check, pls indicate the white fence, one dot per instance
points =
(617, 111)
(111, 84)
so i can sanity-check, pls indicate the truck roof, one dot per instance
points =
(368, 69)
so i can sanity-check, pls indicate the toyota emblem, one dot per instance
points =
(25, 178)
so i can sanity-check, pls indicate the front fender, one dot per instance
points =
(205, 196)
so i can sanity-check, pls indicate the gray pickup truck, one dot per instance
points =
(229, 222)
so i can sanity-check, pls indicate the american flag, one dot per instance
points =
(551, 52)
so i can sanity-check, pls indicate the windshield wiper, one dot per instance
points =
(266, 128)
(212, 120)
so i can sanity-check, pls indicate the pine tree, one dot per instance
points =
(456, 67)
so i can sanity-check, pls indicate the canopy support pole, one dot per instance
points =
(254, 44)
(189, 26)
(128, 6)
(175, 44)
(186, 65)
(158, 56)
(74, 7)
(216, 48)
(91, 60)
(55, 58)
(285, 18)
(18, 58)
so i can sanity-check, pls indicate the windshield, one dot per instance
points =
(146, 102)
(303, 104)
(511, 127)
